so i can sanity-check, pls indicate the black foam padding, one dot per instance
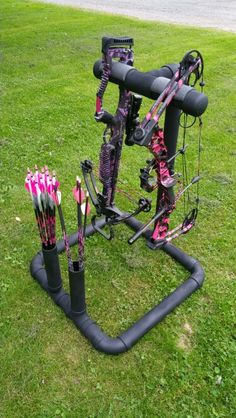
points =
(165, 71)
(138, 82)
(97, 68)
(194, 103)
(187, 98)
(152, 83)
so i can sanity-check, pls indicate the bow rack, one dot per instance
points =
(176, 98)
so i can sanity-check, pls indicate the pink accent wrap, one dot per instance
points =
(148, 116)
(98, 105)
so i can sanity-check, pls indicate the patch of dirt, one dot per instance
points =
(187, 327)
(184, 341)
(222, 179)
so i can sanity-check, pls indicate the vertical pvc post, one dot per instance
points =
(171, 131)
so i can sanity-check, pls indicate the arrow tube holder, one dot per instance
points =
(52, 268)
(77, 289)
(74, 305)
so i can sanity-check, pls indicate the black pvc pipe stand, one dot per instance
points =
(75, 308)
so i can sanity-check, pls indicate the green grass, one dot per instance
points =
(47, 368)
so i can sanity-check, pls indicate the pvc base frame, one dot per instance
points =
(131, 336)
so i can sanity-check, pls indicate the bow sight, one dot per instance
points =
(174, 94)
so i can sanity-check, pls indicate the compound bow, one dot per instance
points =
(149, 134)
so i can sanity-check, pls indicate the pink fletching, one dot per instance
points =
(41, 186)
(27, 186)
(33, 188)
(76, 194)
(41, 183)
(55, 197)
(55, 182)
(49, 187)
(27, 183)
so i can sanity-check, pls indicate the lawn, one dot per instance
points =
(185, 367)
